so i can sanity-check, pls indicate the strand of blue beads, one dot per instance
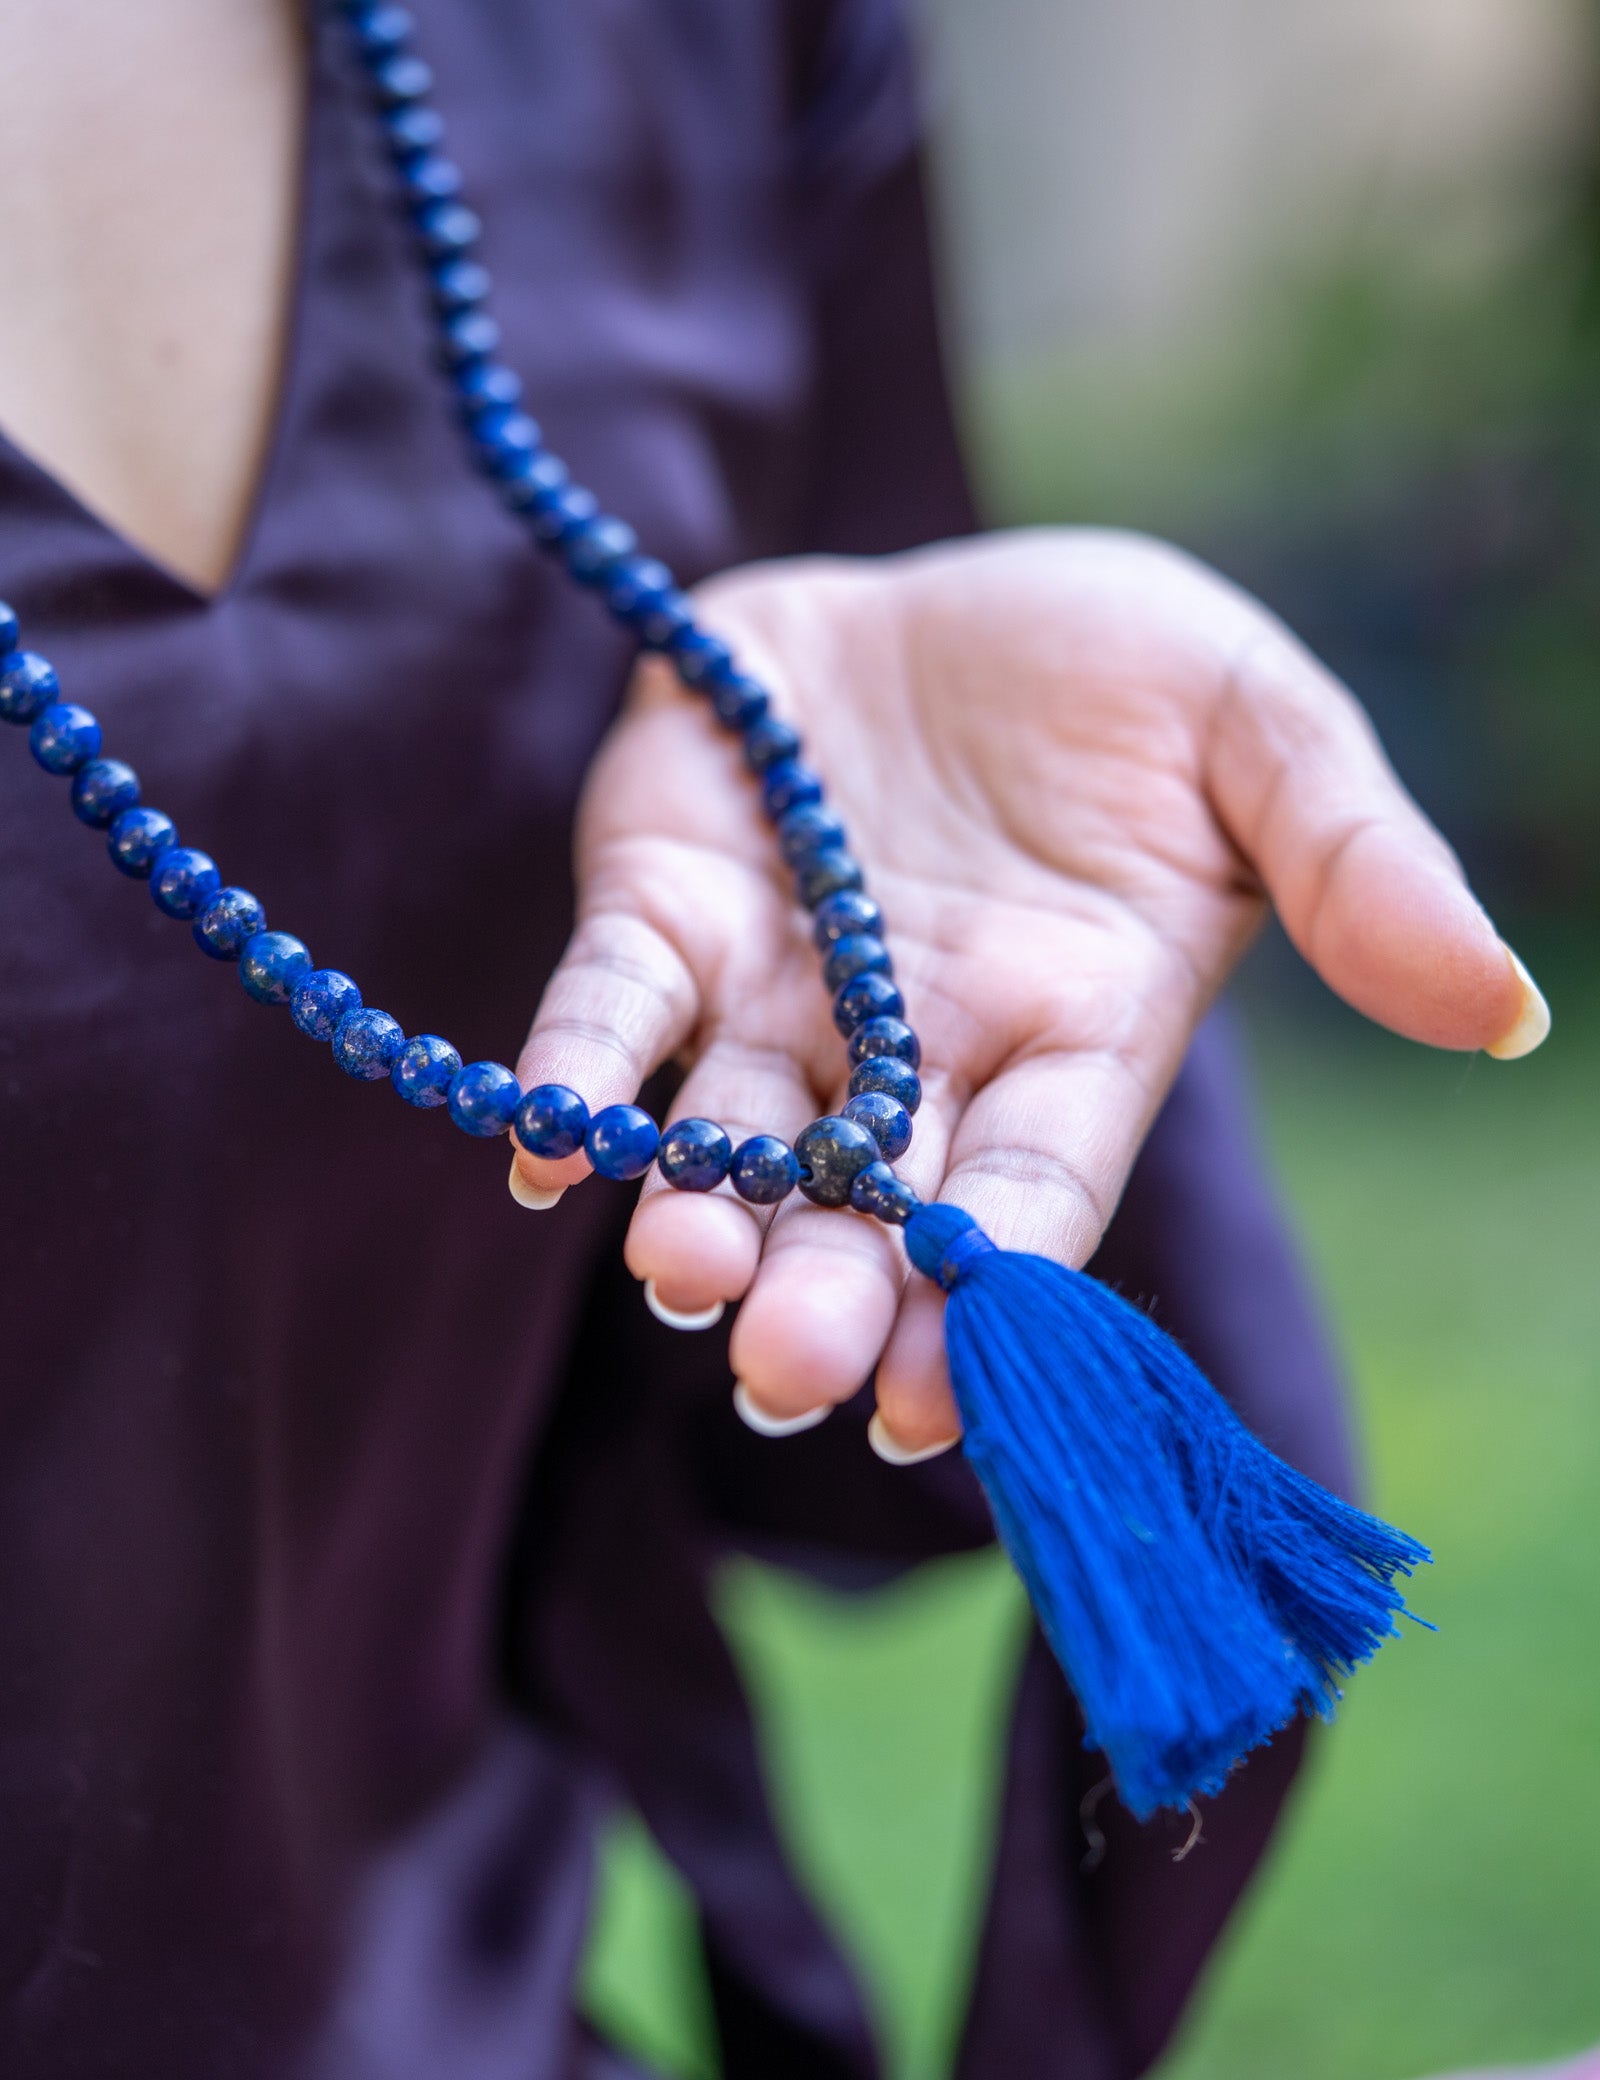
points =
(838, 1160)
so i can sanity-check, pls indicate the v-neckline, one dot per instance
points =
(283, 410)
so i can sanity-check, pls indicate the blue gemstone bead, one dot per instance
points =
(459, 285)
(102, 789)
(232, 916)
(878, 1191)
(842, 914)
(507, 440)
(866, 996)
(28, 684)
(424, 1070)
(637, 585)
(431, 177)
(367, 1043)
(401, 79)
(484, 1098)
(593, 549)
(832, 1153)
(64, 737)
(887, 1073)
(538, 481)
(770, 742)
(448, 229)
(136, 838)
(487, 386)
(885, 1119)
(886, 1036)
(764, 1170)
(469, 337)
(562, 514)
(858, 953)
(809, 829)
(551, 1122)
(622, 1141)
(380, 30)
(695, 1155)
(737, 701)
(698, 655)
(412, 129)
(787, 784)
(661, 625)
(320, 1000)
(271, 964)
(183, 881)
(9, 629)
(826, 874)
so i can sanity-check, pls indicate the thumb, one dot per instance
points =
(1367, 889)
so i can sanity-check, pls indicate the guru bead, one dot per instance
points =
(863, 997)
(424, 1070)
(232, 916)
(137, 838)
(183, 881)
(886, 1197)
(764, 1170)
(621, 1142)
(551, 1122)
(271, 964)
(886, 1036)
(832, 1152)
(483, 1099)
(695, 1155)
(366, 1043)
(885, 1119)
(102, 789)
(321, 999)
(64, 737)
(887, 1073)
(28, 683)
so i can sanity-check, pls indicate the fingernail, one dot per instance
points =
(894, 1454)
(1532, 1021)
(705, 1319)
(764, 1425)
(529, 1195)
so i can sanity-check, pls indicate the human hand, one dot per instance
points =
(1075, 766)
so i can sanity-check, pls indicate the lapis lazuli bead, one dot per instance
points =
(886, 1036)
(866, 996)
(137, 838)
(737, 701)
(460, 285)
(826, 874)
(321, 999)
(483, 1099)
(876, 1190)
(857, 953)
(424, 1070)
(832, 1153)
(764, 1170)
(64, 737)
(448, 229)
(507, 440)
(770, 742)
(379, 30)
(232, 916)
(841, 914)
(541, 478)
(102, 789)
(699, 655)
(889, 1074)
(787, 784)
(9, 629)
(183, 880)
(556, 518)
(636, 585)
(412, 129)
(811, 828)
(885, 1119)
(622, 1141)
(28, 684)
(661, 624)
(469, 337)
(402, 79)
(366, 1043)
(551, 1122)
(485, 386)
(695, 1155)
(431, 177)
(593, 549)
(271, 964)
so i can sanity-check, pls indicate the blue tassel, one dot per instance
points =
(1198, 1592)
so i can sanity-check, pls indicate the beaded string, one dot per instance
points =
(839, 1160)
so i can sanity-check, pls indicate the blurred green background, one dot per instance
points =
(1319, 296)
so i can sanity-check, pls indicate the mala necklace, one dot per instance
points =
(1198, 1592)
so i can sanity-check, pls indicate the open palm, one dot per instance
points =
(1074, 766)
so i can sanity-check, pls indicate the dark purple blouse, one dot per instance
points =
(354, 1535)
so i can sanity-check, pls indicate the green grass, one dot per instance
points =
(1435, 1898)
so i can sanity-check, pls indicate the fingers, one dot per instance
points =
(622, 1001)
(1367, 889)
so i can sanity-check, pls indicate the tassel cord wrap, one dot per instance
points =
(1198, 1592)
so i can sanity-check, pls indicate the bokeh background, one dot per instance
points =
(1313, 287)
